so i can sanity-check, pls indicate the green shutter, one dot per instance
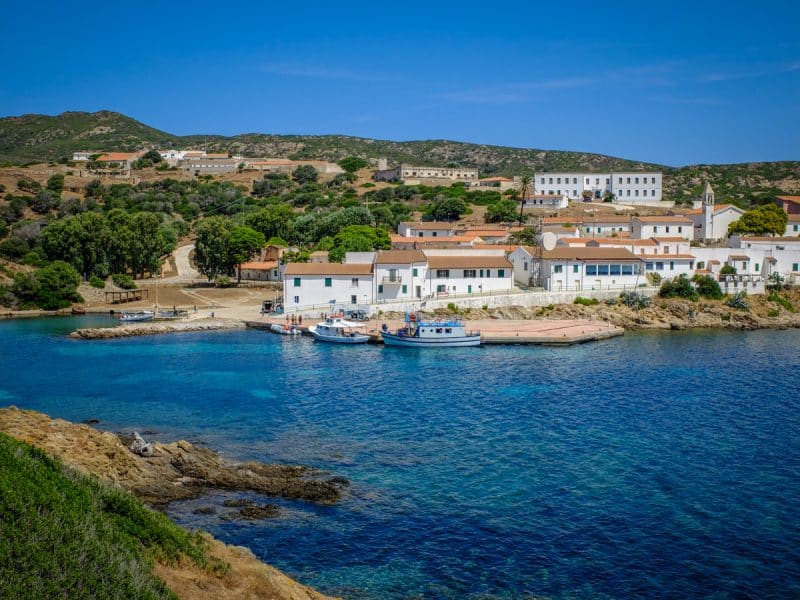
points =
(380, 289)
(296, 282)
(501, 272)
(414, 272)
(328, 282)
(405, 288)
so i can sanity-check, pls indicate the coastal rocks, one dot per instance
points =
(252, 511)
(141, 447)
(134, 330)
(175, 471)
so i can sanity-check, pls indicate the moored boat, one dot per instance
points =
(284, 329)
(136, 316)
(430, 334)
(339, 331)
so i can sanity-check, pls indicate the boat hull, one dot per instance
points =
(392, 339)
(284, 330)
(356, 338)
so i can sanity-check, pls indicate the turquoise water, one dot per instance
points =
(651, 466)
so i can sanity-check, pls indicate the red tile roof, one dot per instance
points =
(328, 269)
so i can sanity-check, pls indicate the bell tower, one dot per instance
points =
(708, 212)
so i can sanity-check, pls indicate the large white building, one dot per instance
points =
(625, 187)
(412, 174)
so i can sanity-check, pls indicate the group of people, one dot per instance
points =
(295, 319)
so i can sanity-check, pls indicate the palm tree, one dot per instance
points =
(525, 183)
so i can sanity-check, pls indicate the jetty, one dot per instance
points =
(551, 332)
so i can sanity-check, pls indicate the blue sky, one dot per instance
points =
(672, 83)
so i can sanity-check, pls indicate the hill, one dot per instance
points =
(31, 138)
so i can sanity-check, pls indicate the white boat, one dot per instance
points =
(285, 329)
(430, 334)
(338, 330)
(136, 316)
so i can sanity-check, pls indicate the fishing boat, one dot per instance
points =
(338, 330)
(430, 334)
(284, 329)
(136, 316)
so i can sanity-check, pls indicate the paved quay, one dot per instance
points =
(497, 331)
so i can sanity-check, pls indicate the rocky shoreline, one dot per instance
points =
(138, 329)
(178, 471)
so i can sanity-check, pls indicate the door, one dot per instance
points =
(353, 299)
(419, 291)
(469, 289)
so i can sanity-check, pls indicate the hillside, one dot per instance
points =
(50, 138)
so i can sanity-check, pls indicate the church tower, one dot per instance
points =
(708, 212)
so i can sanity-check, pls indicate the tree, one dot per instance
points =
(271, 185)
(153, 156)
(769, 219)
(272, 221)
(242, 243)
(446, 209)
(728, 270)
(524, 190)
(351, 164)
(55, 184)
(52, 287)
(358, 238)
(94, 189)
(43, 202)
(211, 247)
(305, 174)
(501, 211)
(147, 244)
(82, 241)
(530, 236)
(679, 287)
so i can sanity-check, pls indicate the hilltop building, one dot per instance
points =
(711, 221)
(625, 187)
(412, 175)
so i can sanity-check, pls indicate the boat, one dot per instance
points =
(136, 316)
(430, 334)
(285, 329)
(338, 330)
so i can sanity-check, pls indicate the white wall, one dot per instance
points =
(405, 274)
(313, 292)
(577, 275)
(457, 284)
(642, 230)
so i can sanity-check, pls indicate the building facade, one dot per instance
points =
(624, 187)
(411, 174)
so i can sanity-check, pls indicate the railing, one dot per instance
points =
(391, 280)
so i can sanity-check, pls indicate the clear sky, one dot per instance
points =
(667, 82)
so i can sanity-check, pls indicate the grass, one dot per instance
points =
(65, 534)
(586, 301)
(784, 302)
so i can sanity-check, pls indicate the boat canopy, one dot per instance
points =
(340, 324)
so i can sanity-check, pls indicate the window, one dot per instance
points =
(666, 228)
(629, 180)
(414, 272)
(419, 234)
(405, 288)
(627, 192)
(701, 264)
(328, 282)
(659, 266)
(297, 299)
(627, 269)
(296, 282)
(525, 266)
(501, 272)
(488, 273)
(795, 227)
(542, 180)
(587, 181)
(637, 180)
(380, 288)
(575, 268)
(653, 180)
(615, 269)
(602, 269)
(469, 273)
(680, 228)
(672, 265)
(443, 273)
(574, 180)
(794, 267)
(433, 234)
(354, 282)
(644, 192)
(649, 266)
(551, 181)
(620, 180)
(591, 269)
(666, 249)
(757, 267)
(558, 268)
(558, 179)
(654, 194)
(636, 192)
(655, 228)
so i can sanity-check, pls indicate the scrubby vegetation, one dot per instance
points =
(67, 535)
(586, 301)
(681, 287)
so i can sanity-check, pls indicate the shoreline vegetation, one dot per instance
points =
(80, 492)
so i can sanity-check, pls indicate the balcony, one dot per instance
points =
(391, 280)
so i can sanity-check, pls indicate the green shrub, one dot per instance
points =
(739, 301)
(586, 301)
(223, 281)
(653, 278)
(71, 535)
(707, 287)
(679, 287)
(727, 270)
(635, 300)
(368, 184)
(784, 302)
(123, 281)
(773, 312)
(96, 282)
(14, 248)
(34, 259)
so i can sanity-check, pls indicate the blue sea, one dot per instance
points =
(656, 465)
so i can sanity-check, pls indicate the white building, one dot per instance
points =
(83, 155)
(270, 270)
(400, 274)
(470, 272)
(316, 285)
(546, 201)
(793, 226)
(625, 187)
(660, 226)
(578, 269)
(425, 229)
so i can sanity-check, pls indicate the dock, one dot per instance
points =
(541, 332)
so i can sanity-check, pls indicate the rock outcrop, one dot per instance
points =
(137, 329)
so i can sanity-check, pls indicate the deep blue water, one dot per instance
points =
(651, 466)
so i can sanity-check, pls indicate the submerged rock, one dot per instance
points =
(262, 511)
(205, 510)
(237, 503)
